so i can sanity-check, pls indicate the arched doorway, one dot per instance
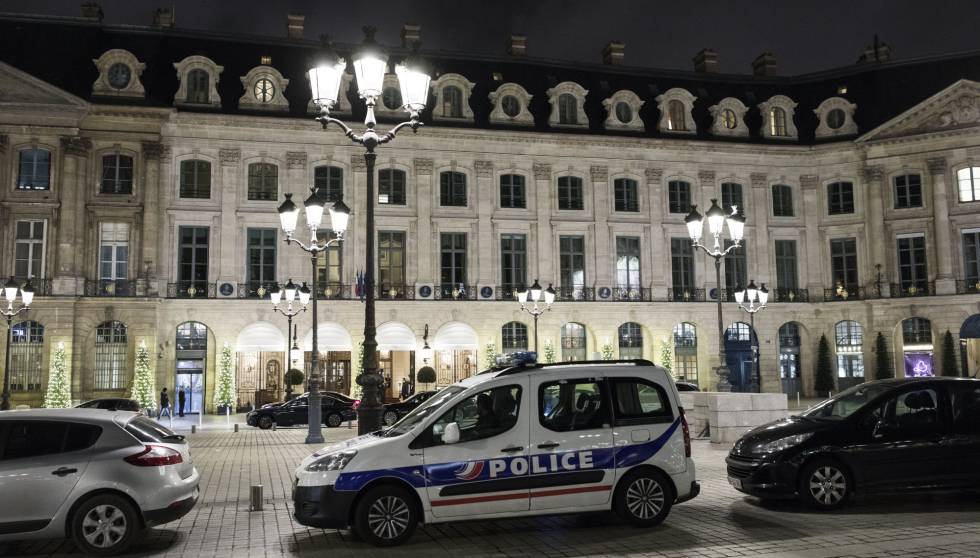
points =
(789, 358)
(455, 346)
(259, 365)
(850, 354)
(970, 346)
(741, 348)
(917, 349)
(191, 345)
(396, 357)
(630, 341)
(334, 344)
(573, 342)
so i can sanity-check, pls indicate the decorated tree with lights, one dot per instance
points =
(144, 388)
(356, 391)
(667, 357)
(549, 351)
(58, 395)
(491, 356)
(224, 389)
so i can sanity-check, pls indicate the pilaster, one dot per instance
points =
(228, 177)
(485, 205)
(545, 259)
(658, 244)
(810, 184)
(75, 151)
(872, 184)
(945, 281)
(152, 152)
(602, 259)
(423, 197)
(759, 263)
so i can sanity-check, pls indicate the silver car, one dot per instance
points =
(99, 478)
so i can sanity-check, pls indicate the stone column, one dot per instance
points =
(602, 259)
(230, 260)
(71, 249)
(427, 240)
(166, 243)
(147, 275)
(656, 267)
(702, 266)
(872, 178)
(945, 282)
(485, 203)
(353, 246)
(759, 258)
(291, 261)
(813, 255)
(544, 260)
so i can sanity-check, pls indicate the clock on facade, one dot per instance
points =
(264, 90)
(119, 75)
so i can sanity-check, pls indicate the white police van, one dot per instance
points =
(524, 440)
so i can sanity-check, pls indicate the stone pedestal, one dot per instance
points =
(729, 415)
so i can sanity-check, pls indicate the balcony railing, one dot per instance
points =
(919, 288)
(789, 295)
(192, 289)
(630, 294)
(506, 292)
(575, 294)
(110, 287)
(254, 289)
(331, 290)
(968, 286)
(42, 287)
(685, 295)
(395, 292)
(455, 292)
(842, 293)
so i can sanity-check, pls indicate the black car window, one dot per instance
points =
(639, 401)
(149, 431)
(482, 415)
(966, 408)
(82, 436)
(568, 405)
(34, 438)
(910, 414)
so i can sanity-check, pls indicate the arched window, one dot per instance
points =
(195, 179)
(110, 355)
(329, 182)
(573, 346)
(738, 332)
(26, 342)
(850, 357)
(192, 336)
(452, 189)
(263, 182)
(630, 341)
(782, 200)
(515, 337)
(452, 101)
(686, 352)
(391, 187)
(198, 86)
(777, 122)
(917, 331)
(567, 109)
(35, 170)
(117, 174)
(676, 120)
(789, 357)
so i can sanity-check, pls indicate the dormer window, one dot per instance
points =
(777, 118)
(452, 102)
(675, 111)
(836, 116)
(510, 102)
(511, 106)
(198, 85)
(452, 93)
(567, 105)
(623, 111)
(675, 116)
(729, 118)
(390, 104)
(119, 74)
(265, 89)
(392, 98)
(777, 121)
(198, 76)
(567, 113)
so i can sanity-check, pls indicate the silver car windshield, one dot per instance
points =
(423, 411)
(847, 402)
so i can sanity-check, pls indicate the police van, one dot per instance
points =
(525, 439)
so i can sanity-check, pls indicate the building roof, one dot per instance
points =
(61, 51)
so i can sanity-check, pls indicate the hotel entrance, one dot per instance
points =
(455, 347)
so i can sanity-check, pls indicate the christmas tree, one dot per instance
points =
(823, 382)
(491, 357)
(59, 381)
(883, 361)
(144, 390)
(950, 367)
(224, 389)
(607, 351)
(667, 357)
(549, 351)
(355, 389)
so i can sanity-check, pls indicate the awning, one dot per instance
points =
(260, 336)
(330, 336)
(455, 335)
(396, 336)
(971, 328)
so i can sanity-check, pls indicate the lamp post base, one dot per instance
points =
(724, 385)
(370, 410)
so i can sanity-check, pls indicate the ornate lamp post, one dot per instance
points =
(534, 310)
(276, 295)
(370, 64)
(753, 299)
(717, 219)
(288, 215)
(10, 293)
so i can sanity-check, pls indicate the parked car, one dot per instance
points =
(112, 404)
(526, 440)
(98, 478)
(893, 435)
(393, 412)
(687, 386)
(333, 409)
(338, 395)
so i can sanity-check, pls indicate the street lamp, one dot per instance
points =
(10, 293)
(325, 75)
(276, 295)
(717, 220)
(535, 310)
(753, 299)
(288, 215)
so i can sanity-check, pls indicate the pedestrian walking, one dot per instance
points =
(181, 400)
(405, 389)
(164, 404)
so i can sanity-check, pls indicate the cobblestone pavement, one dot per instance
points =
(718, 524)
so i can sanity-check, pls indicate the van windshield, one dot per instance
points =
(847, 402)
(422, 412)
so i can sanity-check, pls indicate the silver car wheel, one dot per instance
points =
(334, 420)
(828, 485)
(388, 517)
(104, 526)
(645, 498)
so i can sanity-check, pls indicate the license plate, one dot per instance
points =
(736, 483)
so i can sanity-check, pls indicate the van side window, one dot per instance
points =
(639, 401)
(966, 408)
(568, 405)
(482, 415)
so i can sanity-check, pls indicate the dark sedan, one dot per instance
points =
(333, 409)
(892, 436)
(393, 412)
(111, 404)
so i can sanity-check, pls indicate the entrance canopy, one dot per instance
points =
(971, 328)
(260, 336)
(330, 336)
(396, 336)
(453, 336)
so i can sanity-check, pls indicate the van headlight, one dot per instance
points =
(332, 461)
(781, 444)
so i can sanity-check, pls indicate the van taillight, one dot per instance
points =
(687, 434)
(154, 456)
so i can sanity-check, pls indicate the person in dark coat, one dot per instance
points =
(181, 400)
(405, 389)
(164, 404)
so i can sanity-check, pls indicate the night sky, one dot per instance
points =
(805, 35)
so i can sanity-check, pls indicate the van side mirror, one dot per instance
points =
(451, 434)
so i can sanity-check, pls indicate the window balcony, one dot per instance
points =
(841, 293)
(110, 287)
(387, 291)
(575, 294)
(192, 289)
(790, 295)
(507, 292)
(631, 294)
(962, 287)
(912, 288)
(42, 287)
(255, 289)
(685, 295)
(455, 291)
(332, 290)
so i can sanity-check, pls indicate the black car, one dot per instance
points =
(393, 412)
(333, 409)
(885, 436)
(687, 386)
(111, 404)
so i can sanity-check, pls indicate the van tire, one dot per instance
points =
(386, 515)
(123, 520)
(644, 497)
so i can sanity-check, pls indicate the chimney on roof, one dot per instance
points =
(706, 61)
(294, 25)
(613, 53)
(92, 11)
(878, 51)
(517, 45)
(764, 65)
(163, 17)
(411, 36)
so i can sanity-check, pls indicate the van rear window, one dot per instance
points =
(148, 431)
(639, 401)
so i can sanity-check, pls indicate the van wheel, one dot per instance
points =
(105, 525)
(390, 417)
(824, 484)
(644, 498)
(386, 516)
(265, 422)
(334, 420)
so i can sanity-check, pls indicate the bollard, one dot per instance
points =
(193, 429)
(273, 426)
(236, 427)
(255, 497)
(797, 400)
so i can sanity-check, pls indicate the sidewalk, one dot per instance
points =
(217, 423)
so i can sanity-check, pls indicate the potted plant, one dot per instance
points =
(293, 377)
(426, 375)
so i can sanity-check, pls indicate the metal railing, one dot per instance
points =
(918, 288)
(192, 289)
(42, 286)
(506, 292)
(780, 294)
(685, 295)
(962, 286)
(110, 287)
(332, 290)
(395, 292)
(631, 294)
(254, 289)
(842, 293)
(575, 294)
(455, 291)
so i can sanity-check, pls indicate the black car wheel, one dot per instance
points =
(105, 525)
(265, 422)
(334, 420)
(390, 417)
(643, 498)
(825, 484)
(386, 516)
